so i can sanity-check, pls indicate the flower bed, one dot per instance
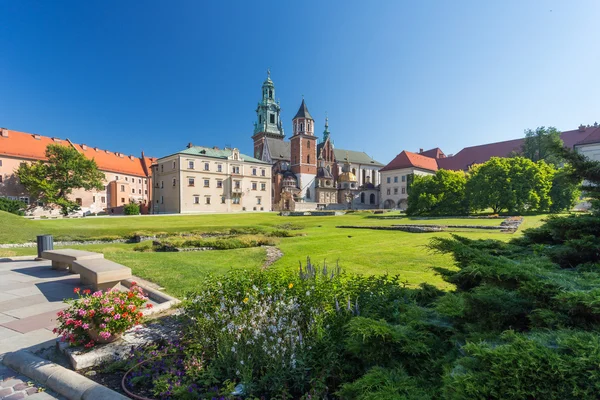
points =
(100, 317)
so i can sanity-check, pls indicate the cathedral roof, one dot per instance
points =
(215, 152)
(279, 149)
(303, 111)
(323, 172)
(355, 157)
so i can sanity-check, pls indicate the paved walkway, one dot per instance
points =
(30, 295)
(14, 387)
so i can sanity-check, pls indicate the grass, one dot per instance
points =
(357, 250)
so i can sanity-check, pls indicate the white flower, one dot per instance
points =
(308, 292)
(233, 349)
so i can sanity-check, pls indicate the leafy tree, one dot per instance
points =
(514, 184)
(538, 145)
(565, 190)
(439, 194)
(64, 170)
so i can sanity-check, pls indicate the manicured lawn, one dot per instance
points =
(356, 250)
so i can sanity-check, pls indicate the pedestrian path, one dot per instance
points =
(31, 293)
(15, 387)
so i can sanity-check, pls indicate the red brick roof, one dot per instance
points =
(33, 147)
(406, 159)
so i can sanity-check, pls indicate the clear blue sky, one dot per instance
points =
(392, 75)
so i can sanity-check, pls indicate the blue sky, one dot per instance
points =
(392, 75)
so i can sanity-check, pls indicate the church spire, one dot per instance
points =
(326, 131)
(268, 118)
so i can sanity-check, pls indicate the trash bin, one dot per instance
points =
(44, 242)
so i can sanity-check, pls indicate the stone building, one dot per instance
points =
(306, 170)
(202, 179)
(126, 176)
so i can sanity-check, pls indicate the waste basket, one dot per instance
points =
(44, 242)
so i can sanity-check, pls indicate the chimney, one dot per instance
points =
(36, 136)
(216, 148)
(3, 132)
(421, 150)
(581, 128)
(131, 157)
(84, 147)
(190, 145)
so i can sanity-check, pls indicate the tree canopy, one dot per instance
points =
(514, 184)
(539, 144)
(53, 180)
(439, 194)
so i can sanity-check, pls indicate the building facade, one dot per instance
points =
(307, 171)
(126, 177)
(201, 179)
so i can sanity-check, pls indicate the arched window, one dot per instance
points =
(308, 193)
(372, 198)
(362, 198)
(308, 144)
(260, 119)
(301, 127)
(354, 171)
(308, 159)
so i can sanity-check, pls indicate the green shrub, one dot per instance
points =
(131, 209)
(12, 206)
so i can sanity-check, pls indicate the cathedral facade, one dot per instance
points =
(310, 173)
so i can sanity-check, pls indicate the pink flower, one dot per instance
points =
(85, 326)
(81, 312)
(102, 326)
(105, 335)
(97, 294)
(117, 316)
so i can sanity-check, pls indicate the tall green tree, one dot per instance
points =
(565, 190)
(538, 145)
(439, 194)
(53, 180)
(513, 184)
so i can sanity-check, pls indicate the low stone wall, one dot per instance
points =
(404, 228)
(309, 213)
(135, 239)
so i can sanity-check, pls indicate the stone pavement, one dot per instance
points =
(14, 387)
(31, 293)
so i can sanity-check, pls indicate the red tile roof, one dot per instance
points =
(33, 147)
(406, 159)
(433, 153)
(593, 137)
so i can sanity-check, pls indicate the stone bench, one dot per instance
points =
(63, 259)
(101, 274)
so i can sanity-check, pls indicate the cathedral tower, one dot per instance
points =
(303, 146)
(268, 118)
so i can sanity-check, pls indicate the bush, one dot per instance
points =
(12, 206)
(131, 209)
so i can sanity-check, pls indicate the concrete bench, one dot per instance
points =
(63, 259)
(101, 274)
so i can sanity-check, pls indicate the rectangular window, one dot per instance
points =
(93, 199)
(140, 181)
(122, 199)
(395, 190)
(272, 118)
(395, 179)
(263, 172)
(222, 199)
(190, 165)
(207, 183)
(103, 199)
(162, 167)
(258, 200)
(126, 179)
(116, 177)
(174, 165)
(196, 199)
(174, 182)
(162, 200)
(389, 180)
(145, 191)
(236, 170)
(0, 163)
(191, 182)
(388, 191)
(403, 178)
(254, 186)
(403, 190)
(206, 166)
(139, 191)
(26, 200)
(263, 186)
(207, 199)
(219, 184)
(122, 188)
(237, 184)
(219, 168)
(162, 184)
(254, 171)
(132, 190)
(236, 199)
(1, 178)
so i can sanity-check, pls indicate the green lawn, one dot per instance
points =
(357, 250)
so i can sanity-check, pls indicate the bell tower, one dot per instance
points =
(268, 118)
(303, 146)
